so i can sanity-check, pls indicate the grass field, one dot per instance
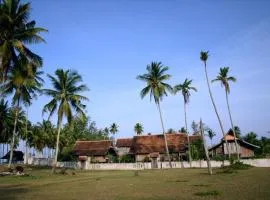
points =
(252, 184)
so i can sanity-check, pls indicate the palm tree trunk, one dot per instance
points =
(205, 149)
(165, 137)
(13, 137)
(229, 110)
(215, 108)
(59, 123)
(26, 132)
(189, 153)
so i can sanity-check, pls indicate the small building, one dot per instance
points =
(152, 147)
(123, 146)
(95, 151)
(246, 149)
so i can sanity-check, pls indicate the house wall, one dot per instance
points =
(232, 147)
(246, 153)
(98, 159)
(122, 151)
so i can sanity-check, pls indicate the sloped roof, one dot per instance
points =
(155, 143)
(124, 142)
(230, 138)
(92, 148)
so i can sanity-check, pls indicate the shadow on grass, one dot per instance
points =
(207, 193)
(12, 192)
(201, 185)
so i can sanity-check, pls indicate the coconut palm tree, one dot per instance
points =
(204, 57)
(211, 134)
(65, 99)
(138, 128)
(224, 79)
(23, 86)
(113, 131)
(157, 87)
(185, 89)
(16, 31)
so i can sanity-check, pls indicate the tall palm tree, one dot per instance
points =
(224, 79)
(157, 88)
(16, 31)
(23, 85)
(138, 128)
(204, 57)
(65, 99)
(185, 88)
(113, 130)
(211, 134)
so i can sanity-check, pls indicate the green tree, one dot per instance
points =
(224, 78)
(195, 127)
(113, 131)
(185, 89)
(237, 131)
(183, 130)
(170, 131)
(5, 121)
(138, 128)
(204, 57)
(211, 134)
(157, 87)
(65, 99)
(16, 31)
(23, 86)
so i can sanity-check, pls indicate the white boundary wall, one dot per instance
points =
(141, 166)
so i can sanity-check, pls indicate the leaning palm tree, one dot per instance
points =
(185, 89)
(138, 128)
(16, 31)
(157, 87)
(65, 100)
(204, 57)
(23, 86)
(224, 79)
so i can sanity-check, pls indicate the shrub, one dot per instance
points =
(127, 159)
(146, 159)
(19, 169)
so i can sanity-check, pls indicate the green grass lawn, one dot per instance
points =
(252, 184)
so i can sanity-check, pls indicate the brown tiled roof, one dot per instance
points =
(124, 142)
(193, 138)
(155, 143)
(92, 148)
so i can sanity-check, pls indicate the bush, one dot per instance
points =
(146, 159)
(67, 154)
(127, 159)
(19, 169)
(239, 166)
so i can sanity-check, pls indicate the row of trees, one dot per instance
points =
(157, 87)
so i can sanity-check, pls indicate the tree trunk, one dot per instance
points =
(205, 149)
(189, 152)
(59, 123)
(229, 110)
(215, 108)
(13, 137)
(26, 132)
(165, 137)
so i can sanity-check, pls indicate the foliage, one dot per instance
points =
(16, 30)
(195, 127)
(146, 159)
(155, 79)
(185, 89)
(67, 154)
(183, 130)
(170, 131)
(114, 128)
(127, 159)
(138, 128)
(197, 150)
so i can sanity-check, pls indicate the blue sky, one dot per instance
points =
(111, 42)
